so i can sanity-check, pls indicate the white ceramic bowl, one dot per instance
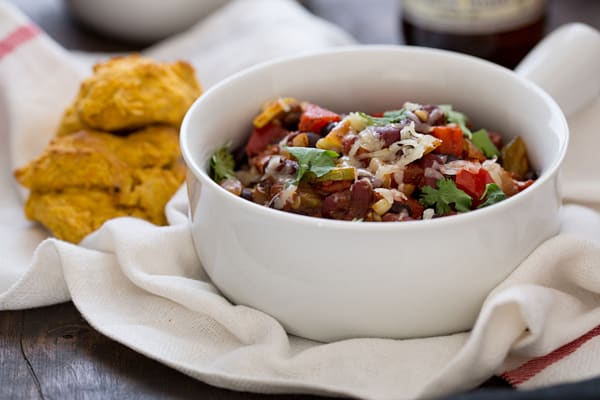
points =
(327, 280)
(141, 20)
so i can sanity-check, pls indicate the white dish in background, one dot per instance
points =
(328, 280)
(141, 20)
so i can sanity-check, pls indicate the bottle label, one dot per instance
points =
(472, 16)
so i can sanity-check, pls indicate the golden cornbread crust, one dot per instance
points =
(82, 180)
(127, 93)
(116, 152)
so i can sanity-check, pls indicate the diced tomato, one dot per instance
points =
(452, 140)
(473, 183)
(261, 137)
(314, 118)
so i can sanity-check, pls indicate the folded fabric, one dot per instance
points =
(143, 285)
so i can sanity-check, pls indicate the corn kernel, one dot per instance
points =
(422, 114)
(300, 140)
(381, 206)
(329, 143)
(333, 140)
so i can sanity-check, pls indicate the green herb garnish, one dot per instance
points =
(492, 195)
(222, 164)
(389, 117)
(447, 193)
(310, 159)
(457, 118)
(482, 141)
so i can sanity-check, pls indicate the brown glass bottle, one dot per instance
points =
(502, 31)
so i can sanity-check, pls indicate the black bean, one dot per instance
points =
(530, 175)
(327, 128)
(291, 120)
(312, 138)
(398, 207)
(240, 156)
(247, 194)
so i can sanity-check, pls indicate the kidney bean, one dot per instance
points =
(436, 116)
(430, 159)
(361, 198)
(388, 134)
(336, 205)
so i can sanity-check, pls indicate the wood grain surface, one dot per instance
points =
(53, 353)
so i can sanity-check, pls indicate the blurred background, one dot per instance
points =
(94, 25)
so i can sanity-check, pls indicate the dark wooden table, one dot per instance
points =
(52, 352)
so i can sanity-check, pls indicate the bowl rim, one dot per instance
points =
(275, 215)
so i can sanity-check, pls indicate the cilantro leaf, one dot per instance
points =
(222, 164)
(492, 195)
(457, 118)
(395, 115)
(447, 193)
(310, 159)
(389, 117)
(482, 141)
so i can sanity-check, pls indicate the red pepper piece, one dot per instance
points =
(473, 183)
(261, 137)
(314, 118)
(452, 140)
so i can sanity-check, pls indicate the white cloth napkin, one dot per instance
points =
(143, 285)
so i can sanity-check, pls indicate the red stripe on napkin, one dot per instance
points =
(534, 366)
(16, 38)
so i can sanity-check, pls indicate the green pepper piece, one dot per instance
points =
(338, 174)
